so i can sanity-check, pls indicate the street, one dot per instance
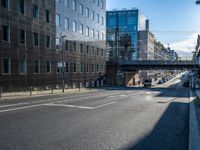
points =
(112, 118)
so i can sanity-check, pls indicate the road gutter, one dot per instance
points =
(194, 138)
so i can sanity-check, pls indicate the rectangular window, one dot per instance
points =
(74, 5)
(97, 2)
(48, 66)
(102, 20)
(97, 51)
(66, 23)
(67, 3)
(72, 67)
(93, 33)
(48, 41)
(74, 46)
(35, 11)
(82, 67)
(66, 45)
(5, 33)
(47, 16)
(102, 36)
(97, 16)
(87, 31)
(36, 39)
(92, 14)
(98, 36)
(57, 20)
(87, 12)
(58, 69)
(21, 6)
(81, 48)
(101, 52)
(66, 67)
(81, 9)
(22, 67)
(74, 28)
(22, 36)
(58, 43)
(102, 3)
(6, 66)
(36, 66)
(4, 3)
(81, 28)
(87, 49)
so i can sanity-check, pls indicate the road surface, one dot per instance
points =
(118, 118)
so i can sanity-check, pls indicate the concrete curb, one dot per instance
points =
(194, 138)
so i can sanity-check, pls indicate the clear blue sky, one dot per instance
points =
(165, 15)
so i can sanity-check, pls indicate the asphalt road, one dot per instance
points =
(120, 118)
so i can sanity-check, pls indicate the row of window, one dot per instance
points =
(22, 37)
(99, 3)
(88, 49)
(69, 67)
(21, 9)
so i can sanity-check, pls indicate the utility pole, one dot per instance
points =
(63, 64)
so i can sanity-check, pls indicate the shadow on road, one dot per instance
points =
(170, 132)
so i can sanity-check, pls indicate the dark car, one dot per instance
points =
(186, 84)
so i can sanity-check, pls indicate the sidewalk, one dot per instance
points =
(28, 94)
(194, 120)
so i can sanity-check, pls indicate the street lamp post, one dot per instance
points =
(63, 64)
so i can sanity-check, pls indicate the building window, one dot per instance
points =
(87, 12)
(36, 39)
(66, 67)
(97, 2)
(87, 49)
(74, 46)
(58, 1)
(58, 43)
(92, 14)
(22, 36)
(74, 28)
(101, 52)
(4, 3)
(66, 3)
(58, 69)
(21, 6)
(81, 48)
(87, 31)
(66, 23)
(35, 11)
(47, 16)
(102, 20)
(102, 3)
(23, 67)
(97, 51)
(74, 5)
(48, 66)
(66, 45)
(98, 36)
(36, 66)
(6, 66)
(87, 67)
(81, 9)
(93, 33)
(72, 67)
(57, 20)
(5, 33)
(81, 28)
(102, 36)
(82, 67)
(97, 16)
(48, 41)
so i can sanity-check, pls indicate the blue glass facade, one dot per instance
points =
(122, 30)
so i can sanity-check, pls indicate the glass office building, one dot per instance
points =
(122, 33)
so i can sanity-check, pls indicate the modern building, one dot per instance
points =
(27, 43)
(80, 37)
(38, 36)
(122, 33)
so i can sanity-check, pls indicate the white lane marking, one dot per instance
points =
(147, 93)
(21, 108)
(111, 96)
(10, 105)
(104, 105)
(71, 106)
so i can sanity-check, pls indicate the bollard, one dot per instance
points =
(31, 91)
(51, 89)
(1, 91)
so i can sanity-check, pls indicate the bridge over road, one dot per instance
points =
(156, 65)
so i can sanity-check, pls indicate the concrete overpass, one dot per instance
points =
(155, 65)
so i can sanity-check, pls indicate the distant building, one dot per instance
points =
(122, 33)
(173, 55)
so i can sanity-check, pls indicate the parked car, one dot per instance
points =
(148, 83)
(186, 83)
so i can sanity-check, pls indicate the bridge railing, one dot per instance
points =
(157, 62)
